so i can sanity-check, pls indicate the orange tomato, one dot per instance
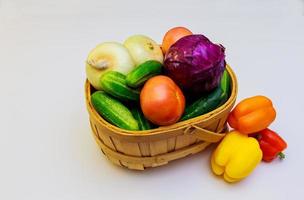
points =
(172, 36)
(162, 101)
(252, 115)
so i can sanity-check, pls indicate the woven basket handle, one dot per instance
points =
(204, 134)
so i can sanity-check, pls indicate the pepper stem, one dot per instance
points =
(281, 155)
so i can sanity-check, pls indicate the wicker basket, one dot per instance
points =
(144, 149)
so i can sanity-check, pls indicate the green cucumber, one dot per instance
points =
(143, 123)
(203, 105)
(211, 101)
(114, 83)
(138, 76)
(113, 111)
(225, 85)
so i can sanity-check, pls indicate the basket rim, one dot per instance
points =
(163, 129)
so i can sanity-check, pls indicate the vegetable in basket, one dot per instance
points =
(271, 144)
(105, 57)
(173, 35)
(138, 76)
(195, 64)
(143, 123)
(252, 115)
(143, 48)
(113, 111)
(162, 101)
(236, 156)
(114, 83)
(211, 101)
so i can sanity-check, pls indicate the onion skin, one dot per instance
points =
(195, 64)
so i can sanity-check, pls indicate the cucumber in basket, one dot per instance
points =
(143, 123)
(114, 83)
(211, 101)
(225, 85)
(143, 72)
(113, 111)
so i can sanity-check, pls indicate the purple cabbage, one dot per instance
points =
(195, 64)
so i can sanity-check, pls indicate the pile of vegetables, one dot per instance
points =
(141, 85)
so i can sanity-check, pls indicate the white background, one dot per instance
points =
(46, 147)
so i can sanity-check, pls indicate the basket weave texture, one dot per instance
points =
(139, 150)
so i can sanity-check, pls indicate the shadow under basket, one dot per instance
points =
(139, 150)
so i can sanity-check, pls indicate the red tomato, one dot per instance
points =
(172, 36)
(162, 101)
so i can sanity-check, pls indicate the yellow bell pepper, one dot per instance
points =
(236, 156)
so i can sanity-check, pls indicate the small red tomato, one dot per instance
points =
(172, 36)
(162, 101)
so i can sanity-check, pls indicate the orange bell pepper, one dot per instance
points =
(252, 115)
